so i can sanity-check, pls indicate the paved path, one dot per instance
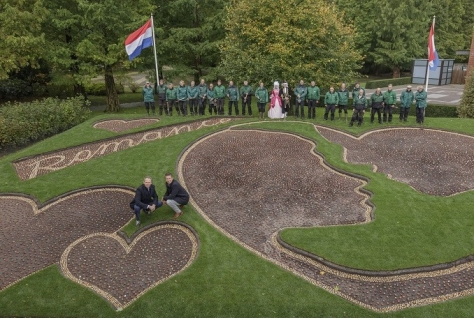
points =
(446, 94)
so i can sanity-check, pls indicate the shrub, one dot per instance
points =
(21, 123)
(466, 107)
(386, 82)
(11, 89)
(99, 89)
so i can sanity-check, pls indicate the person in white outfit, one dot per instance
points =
(275, 111)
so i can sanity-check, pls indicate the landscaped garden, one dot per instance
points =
(246, 184)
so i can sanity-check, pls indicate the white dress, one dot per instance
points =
(275, 111)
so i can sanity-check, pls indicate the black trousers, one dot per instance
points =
(332, 108)
(202, 105)
(149, 105)
(388, 110)
(261, 107)
(171, 103)
(342, 107)
(404, 113)
(161, 104)
(299, 108)
(312, 108)
(357, 116)
(193, 106)
(420, 115)
(183, 106)
(247, 104)
(372, 114)
(236, 106)
(212, 107)
(220, 106)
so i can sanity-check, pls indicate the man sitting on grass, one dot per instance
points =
(145, 198)
(176, 196)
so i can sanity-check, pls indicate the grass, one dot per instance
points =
(227, 280)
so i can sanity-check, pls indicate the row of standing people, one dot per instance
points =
(198, 97)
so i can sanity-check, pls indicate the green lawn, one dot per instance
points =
(226, 280)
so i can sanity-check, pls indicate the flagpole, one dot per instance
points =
(154, 50)
(428, 62)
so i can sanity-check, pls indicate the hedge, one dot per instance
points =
(386, 82)
(22, 123)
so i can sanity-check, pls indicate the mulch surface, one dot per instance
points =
(124, 125)
(432, 162)
(261, 182)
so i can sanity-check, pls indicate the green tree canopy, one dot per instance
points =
(288, 40)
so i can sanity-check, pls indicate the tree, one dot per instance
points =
(188, 33)
(86, 38)
(22, 38)
(466, 106)
(288, 39)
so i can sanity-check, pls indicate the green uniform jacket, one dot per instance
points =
(302, 91)
(162, 91)
(219, 91)
(331, 98)
(211, 94)
(355, 92)
(376, 98)
(343, 97)
(182, 93)
(246, 89)
(390, 97)
(406, 99)
(360, 102)
(261, 95)
(420, 98)
(233, 93)
(313, 93)
(171, 94)
(202, 90)
(148, 94)
(193, 92)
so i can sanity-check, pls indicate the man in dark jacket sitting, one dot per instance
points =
(175, 196)
(145, 198)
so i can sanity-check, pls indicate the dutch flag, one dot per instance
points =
(433, 59)
(138, 40)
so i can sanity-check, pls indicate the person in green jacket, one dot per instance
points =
(161, 90)
(211, 96)
(171, 97)
(219, 92)
(406, 99)
(356, 90)
(300, 93)
(232, 93)
(376, 103)
(193, 96)
(182, 93)
(359, 105)
(262, 99)
(420, 100)
(202, 87)
(313, 99)
(246, 92)
(390, 99)
(330, 101)
(343, 100)
(149, 97)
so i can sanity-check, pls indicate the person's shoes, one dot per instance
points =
(176, 216)
(137, 223)
(358, 124)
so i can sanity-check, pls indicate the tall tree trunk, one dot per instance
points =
(113, 104)
(396, 72)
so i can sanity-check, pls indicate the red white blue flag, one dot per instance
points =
(433, 59)
(138, 40)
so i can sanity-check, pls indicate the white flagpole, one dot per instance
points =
(428, 64)
(154, 50)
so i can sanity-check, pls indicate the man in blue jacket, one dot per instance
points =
(145, 198)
